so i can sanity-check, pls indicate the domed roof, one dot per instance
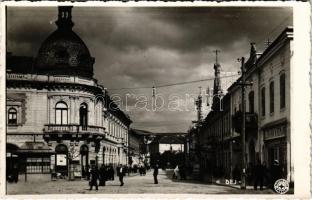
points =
(63, 52)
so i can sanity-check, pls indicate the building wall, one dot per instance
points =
(279, 63)
(36, 113)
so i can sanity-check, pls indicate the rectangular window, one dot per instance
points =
(58, 117)
(272, 97)
(263, 101)
(282, 92)
(38, 165)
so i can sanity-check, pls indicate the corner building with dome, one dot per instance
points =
(59, 119)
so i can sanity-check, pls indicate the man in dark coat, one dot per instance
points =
(102, 176)
(121, 174)
(87, 171)
(94, 177)
(112, 173)
(276, 172)
(259, 175)
(182, 172)
(155, 174)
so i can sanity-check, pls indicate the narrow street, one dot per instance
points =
(133, 184)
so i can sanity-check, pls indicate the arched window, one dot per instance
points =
(83, 115)
(263, 101)
(251, 99)
(61, 113)
(12, 116)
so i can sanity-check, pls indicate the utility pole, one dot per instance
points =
(243, 84)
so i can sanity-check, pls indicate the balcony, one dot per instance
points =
(251, 121)
(73, 131)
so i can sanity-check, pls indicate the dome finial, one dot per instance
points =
(64, 17)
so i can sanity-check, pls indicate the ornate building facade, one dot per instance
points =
(59, 119)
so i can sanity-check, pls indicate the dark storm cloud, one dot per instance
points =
(136, 47)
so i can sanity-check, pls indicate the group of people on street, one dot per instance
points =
(260, 175)
(104, 174)
(142, 170)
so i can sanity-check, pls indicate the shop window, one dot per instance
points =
(282, 91)
(61, 113)
(12, 116)
(38, 165)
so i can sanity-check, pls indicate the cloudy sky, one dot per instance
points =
(145, 47)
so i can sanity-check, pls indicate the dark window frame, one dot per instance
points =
(12, 116)
(272, 97)
(282, 91)
(263, 101)
(251, 101)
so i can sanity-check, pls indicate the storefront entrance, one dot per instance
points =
(84, 152)
(12, 163)
(61, 159)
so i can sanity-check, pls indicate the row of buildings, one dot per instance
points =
(215, 143)
(59, 119)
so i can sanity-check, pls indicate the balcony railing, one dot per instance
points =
(53, 78)
(73, 128)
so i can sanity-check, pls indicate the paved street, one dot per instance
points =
(133, 184)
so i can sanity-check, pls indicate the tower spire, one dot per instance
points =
(216, 84)
(64, 17)
(216, 51)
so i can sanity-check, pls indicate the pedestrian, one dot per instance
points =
(144, 170)
(129, 169)
(15, 173)
(182, 172)
(276, 172)
(250, 173)
(121, 174)
(94, 177)
(111, 172)
(102, 176)
(155, 174)
(87, 171)
(236, 174)
(259, 175)
(107, 172)
(175, 172)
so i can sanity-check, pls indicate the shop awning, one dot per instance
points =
(35, 148)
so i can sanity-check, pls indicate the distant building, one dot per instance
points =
(59, 119)
(173, 142)
(135, 145)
